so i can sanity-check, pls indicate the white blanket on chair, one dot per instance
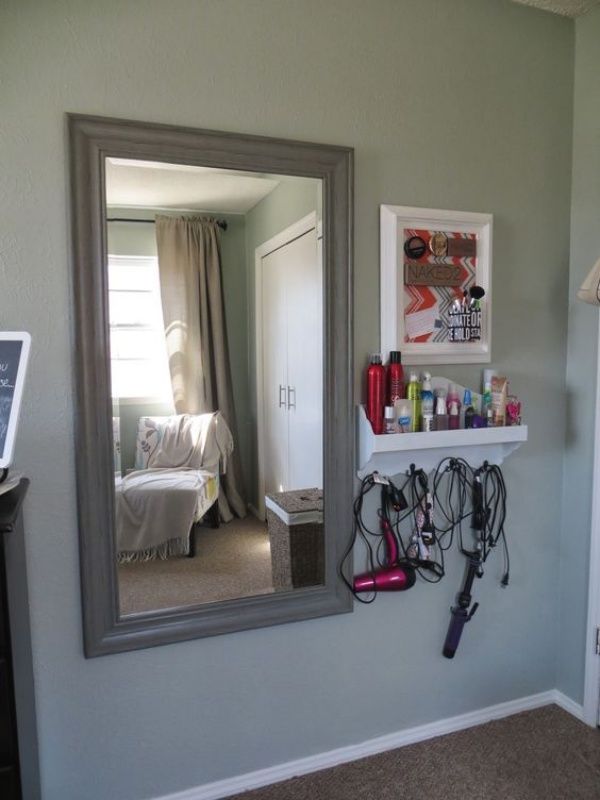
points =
(156, 509)
(157, 506)
(194, 441)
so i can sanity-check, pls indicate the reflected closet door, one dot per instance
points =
(292, 337)
(274, 358)
(305, 363)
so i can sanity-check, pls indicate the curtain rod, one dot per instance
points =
(222, 223)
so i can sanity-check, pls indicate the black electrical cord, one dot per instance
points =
(488, 516)
(429, 569)
(457, 493)
(359, 529)
(493, 495)
(362, 531)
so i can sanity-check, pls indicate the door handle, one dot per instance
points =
(291, 392)
(282, 402)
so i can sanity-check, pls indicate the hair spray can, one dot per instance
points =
(376, 393)
(413, 393)
(395, 378)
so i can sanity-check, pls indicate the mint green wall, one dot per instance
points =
(288, 203)
(582, 358)
(130, 238)
(462, 105)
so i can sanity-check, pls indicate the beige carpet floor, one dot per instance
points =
(231, 561)
(544, 754)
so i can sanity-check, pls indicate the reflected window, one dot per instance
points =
(139, 365)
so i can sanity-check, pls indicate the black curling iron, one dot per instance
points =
(461, 614)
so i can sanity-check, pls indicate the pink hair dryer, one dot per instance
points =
(394, 577)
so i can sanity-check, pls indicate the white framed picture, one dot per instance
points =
(430, 261)
(14, 354)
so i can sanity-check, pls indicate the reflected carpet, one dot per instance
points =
(231, 561)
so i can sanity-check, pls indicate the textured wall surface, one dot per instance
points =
(570, 8)
(582, 360)
(463, 105)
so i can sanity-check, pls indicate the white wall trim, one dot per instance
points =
(564, 702)
(342, 755)
(591, 691)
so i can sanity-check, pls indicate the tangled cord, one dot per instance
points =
(458, 493)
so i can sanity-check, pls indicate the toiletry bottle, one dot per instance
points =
(488, 374)
(453, 415)
(426, 404)
(469, 410)
(453, 397)
(499, 394)
(390, 420)
(486, 404)
(413, 393)
(441, 411)
(404, 415)
(375, 393)
(395, 378)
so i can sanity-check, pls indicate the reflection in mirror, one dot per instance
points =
(215, 293)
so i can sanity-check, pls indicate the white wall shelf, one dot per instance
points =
(393, 453)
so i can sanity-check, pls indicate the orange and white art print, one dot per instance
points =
(430, 260)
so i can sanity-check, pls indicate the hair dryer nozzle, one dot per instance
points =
(397, 578)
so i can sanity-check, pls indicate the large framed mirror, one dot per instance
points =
(212, 345)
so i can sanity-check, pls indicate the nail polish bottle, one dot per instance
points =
(469, 410)
(453, 416)
(441, 412)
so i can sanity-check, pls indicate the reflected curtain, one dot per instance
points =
(189, 262)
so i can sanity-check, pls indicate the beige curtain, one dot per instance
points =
(189, 262)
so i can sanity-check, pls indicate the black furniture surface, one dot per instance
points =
(10, 779)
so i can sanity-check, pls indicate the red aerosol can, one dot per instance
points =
(376, 393)
(395, 378)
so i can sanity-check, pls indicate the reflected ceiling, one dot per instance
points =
(132, 183)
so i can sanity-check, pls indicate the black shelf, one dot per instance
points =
(10, 783)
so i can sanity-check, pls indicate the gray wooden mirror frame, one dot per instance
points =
(91, 140)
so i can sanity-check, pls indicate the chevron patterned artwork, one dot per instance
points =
(433, 279)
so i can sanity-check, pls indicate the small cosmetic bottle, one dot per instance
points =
(441, 412)
(404, 415)
(389, 420)
(486, 405)
(453, 416)
(469, 410)
(452, 398)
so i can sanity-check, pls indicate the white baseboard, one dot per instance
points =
(576, 709)
(331, 758)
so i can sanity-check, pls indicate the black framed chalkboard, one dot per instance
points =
(14, 350)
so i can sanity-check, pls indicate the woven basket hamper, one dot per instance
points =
(295, 524)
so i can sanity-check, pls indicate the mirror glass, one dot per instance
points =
(215, 297)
